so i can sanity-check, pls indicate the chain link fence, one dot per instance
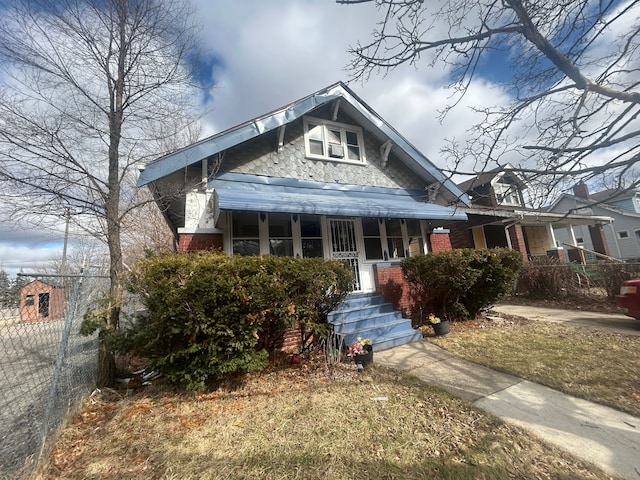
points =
(47, 367)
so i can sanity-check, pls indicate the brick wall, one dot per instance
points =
(461, 236)
(191, 242)
(440, 242)
(517, 241)
(392, 286)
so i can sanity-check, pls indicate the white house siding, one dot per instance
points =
(260, 157)
(619, 248)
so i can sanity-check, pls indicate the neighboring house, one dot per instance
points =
(499, 217)
(623, 206)
(324, 176)
(40, 301)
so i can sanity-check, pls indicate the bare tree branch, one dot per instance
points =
(574, 81)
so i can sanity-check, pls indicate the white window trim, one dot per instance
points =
(508, 191)
(620, 233)
(344, 128)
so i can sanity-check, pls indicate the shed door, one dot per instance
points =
(43, 304)
(345, 247)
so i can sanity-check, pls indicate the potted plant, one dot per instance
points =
(440, 327)
(361, 351)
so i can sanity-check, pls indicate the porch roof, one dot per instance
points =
(289, 195)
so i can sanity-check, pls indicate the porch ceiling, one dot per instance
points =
(287, 195)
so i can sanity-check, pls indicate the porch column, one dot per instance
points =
(439, 240)
(598, 239)
(516, 237)
(575, 255)
(556, 251)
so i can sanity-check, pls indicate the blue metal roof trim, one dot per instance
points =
(288, 195)
(229, 138)
(236, 135)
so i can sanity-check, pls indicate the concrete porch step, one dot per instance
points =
(369, 316)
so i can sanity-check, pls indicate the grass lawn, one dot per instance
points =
(310, 422)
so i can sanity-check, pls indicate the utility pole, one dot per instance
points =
(63, 265)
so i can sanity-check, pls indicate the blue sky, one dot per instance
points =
(263, 55)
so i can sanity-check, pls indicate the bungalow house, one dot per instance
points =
(40, 301)
(499, 217)
(324, 176)
(622, 205)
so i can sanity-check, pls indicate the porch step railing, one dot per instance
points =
(367, 315)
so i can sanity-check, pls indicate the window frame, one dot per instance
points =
(328, 125)
(623, 234)
(507, 193)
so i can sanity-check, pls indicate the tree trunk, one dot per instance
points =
(106, 362)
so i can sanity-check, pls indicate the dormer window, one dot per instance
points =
(506, 192)
(326, 140)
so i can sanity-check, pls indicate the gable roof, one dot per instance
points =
(591, 202)
(486, 177)
(351, 103)
(614, 194)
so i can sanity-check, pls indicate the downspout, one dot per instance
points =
(506, 232)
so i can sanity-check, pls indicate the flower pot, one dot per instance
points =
(441, 328)
(364, 358)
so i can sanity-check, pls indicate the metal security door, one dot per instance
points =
(345, 247)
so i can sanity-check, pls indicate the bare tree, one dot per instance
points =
(574, 72)
(90, 88)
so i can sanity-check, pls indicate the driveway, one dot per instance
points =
(614, 322)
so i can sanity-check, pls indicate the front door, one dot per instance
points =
(344, 246)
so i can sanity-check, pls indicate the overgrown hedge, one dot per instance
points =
(459, 284)
(548, 278)
(210, 315)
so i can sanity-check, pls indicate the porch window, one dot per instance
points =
(395, 243)
(311, 236)
(372, 240)
(333, 141)
(246, 233)
(280, 236)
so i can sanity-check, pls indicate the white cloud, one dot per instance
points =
(272, 56)
(273, 53)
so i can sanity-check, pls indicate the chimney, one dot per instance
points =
(581, 190)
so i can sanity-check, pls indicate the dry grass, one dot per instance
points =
(595, 365)
(299, 423)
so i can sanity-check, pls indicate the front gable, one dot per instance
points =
(287, 156)
(495, 188)
(275, 145)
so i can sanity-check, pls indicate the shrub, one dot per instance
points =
(460, 283)
(210, 315)
(545, 277)
(613, 274)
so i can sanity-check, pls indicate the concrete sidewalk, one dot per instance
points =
(601, 435)
(614, 322)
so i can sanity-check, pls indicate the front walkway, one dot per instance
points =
(608, 438)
